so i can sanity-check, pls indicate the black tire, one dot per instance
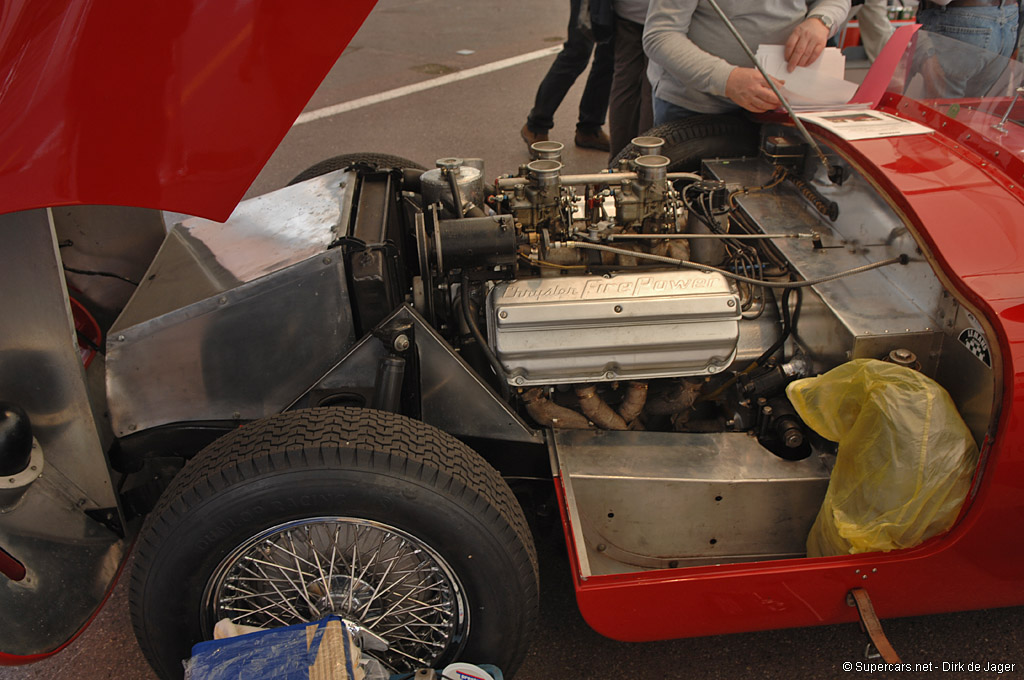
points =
(377, 160)
(691, 140)
(343, 467)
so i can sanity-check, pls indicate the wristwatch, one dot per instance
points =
(827, 20)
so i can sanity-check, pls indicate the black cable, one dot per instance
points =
(788, 325)
(492, 358)
(92, 273)
(453, 182)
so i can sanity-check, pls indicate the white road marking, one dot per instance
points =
(328, 111)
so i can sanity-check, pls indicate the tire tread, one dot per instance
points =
(341, 437)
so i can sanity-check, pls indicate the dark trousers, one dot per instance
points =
(629, 114)
(568, 65)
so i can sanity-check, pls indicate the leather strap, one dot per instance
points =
(870, 624)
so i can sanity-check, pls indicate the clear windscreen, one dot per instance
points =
(942, 72)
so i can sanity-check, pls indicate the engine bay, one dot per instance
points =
(640, 325)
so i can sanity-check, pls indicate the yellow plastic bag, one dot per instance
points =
(905, 457)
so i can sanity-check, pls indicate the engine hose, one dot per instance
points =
(492, 358)
(901, 259)
(453, 182)
(788, 326)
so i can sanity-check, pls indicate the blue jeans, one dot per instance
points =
(666, 112)
(567, 67)
(993, 29)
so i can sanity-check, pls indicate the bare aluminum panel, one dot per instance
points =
(40, 367)
(236, 320)
(453, 397)
(70, 560)
(624, 326)
(650, 500)
(865, 315)
(107, 238)
(202, 258)
(244, 354)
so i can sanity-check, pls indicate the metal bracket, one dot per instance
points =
(870, 624)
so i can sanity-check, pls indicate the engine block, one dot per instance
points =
(602, 328)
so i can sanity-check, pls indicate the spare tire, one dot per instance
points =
(377, 160)
(690, 140)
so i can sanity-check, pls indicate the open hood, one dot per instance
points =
(160, 105)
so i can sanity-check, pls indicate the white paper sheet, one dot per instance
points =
(819, 85)
(864, 124)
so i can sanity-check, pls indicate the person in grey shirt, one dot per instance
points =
(697, 66)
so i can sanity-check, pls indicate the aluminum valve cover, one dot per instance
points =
(601, 328)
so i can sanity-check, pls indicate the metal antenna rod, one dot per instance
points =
(789, 109)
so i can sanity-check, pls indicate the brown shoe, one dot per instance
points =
(529, 136)
(593, 140)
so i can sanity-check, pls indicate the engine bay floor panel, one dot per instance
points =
(656, 500)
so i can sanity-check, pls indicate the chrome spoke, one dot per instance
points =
(302, 577)
(374, 575)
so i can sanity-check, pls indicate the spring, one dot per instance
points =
(826, 207)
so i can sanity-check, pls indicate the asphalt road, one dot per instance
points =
(414, 41)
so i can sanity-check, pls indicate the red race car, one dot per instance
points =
(770, 372)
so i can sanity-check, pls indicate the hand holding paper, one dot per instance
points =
(747, 87)
(805, 43)
(821, 84)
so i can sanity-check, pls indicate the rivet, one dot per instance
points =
(874, 571)
(618, 309)
(120, 338)
(222, 301)
(864, 577)
(503, 315)
(327, 260)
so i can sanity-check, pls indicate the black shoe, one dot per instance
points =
(593, 140)
(529, 136)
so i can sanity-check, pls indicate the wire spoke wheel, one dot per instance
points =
(372, 574)
(370, 516)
